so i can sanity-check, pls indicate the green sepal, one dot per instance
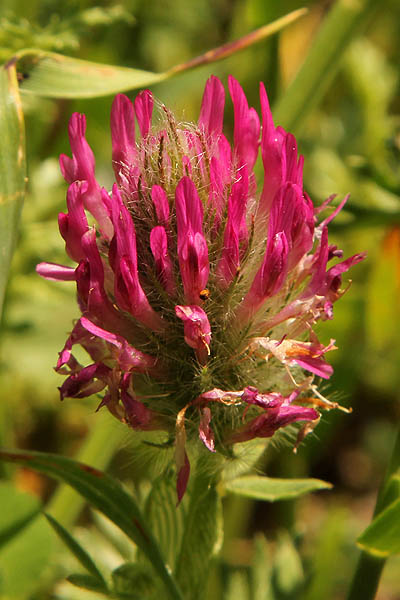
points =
(274, 489)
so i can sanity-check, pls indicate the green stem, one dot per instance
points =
(322, 62)
(366, 578)
(369, 568)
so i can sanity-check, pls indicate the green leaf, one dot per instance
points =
(98, 448)
(202, 535)
(88, 582)
(246, 455)
(272, 489)
(392, 490)
(165, 519)
(12, 168)
(133, 581)
(105, 494)
(17, 511)
(112, 535)
(76, 549)
(58, 76)
(382, 536)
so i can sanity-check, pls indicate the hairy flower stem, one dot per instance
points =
(202, 535)
(369, 568)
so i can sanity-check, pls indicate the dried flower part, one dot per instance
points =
(198, 286)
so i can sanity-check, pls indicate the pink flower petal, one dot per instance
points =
(144, 110)
(164, 267)
(197, 330)
(274, 159)
(247, 126)
(74, 224)
(337, 210)
(269, 278)
(182, 477)
(212, 106)
(266, 424)
(137, 414)
(124, 150)
(229, 262)
(181, 458)
(88, 381)
(128, 357)
(315, 365)
(251, 395)
(55, 272)
(160, 201)
(123, 258)
(192, 246)
(92, 296)
(82, 168)
(79, 335)
(205, 431)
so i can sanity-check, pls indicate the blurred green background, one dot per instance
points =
(351, 142)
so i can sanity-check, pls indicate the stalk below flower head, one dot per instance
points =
(198, 285)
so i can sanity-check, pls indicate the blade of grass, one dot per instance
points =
(12, 167)
(80, 553)
(341, 25)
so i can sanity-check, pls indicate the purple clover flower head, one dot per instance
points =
(198, 285)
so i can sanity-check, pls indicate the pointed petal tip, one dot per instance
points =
(182, 479)
(212, 106)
